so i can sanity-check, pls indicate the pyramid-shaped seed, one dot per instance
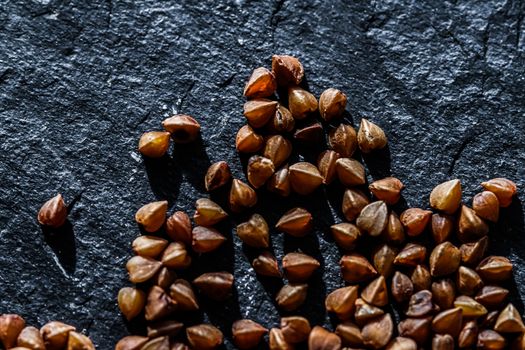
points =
(204, 337)
(444, 293)
(495, 269)
(345, 235)
(383, 260)
(154, 144)
(373, 218)
(215, 285)
(353, 203)
(266, 265)
(279, 182)
(355, 268)
(295, 329)
(350, 334)
(343, 140)
(141, 269)
(247, 334)
(492, 296)
(152, 215)
(394, 232)
(158, 304)
(341, 302)
(183, 294)
(448, 322)
(183, 128)
(473, 253)
(261, 83)
(415, 220)
(509, 321)
(444, 259)
(350, 172)
(421, 278)
(206, 239)
(486, 206)
(468, 281)
(326, 163)
(376, 293)
(304, 178)
(149, 246)
(420, 304)
(470, 307)
(442, 227)
(287, 70)
(176, 256)
(296, 222)
(401, 287)
(299, 267)
(377, 333)
(321, 339)
(254, 232)
(277, 341)
(388, 189)
(291, 296)
(446, 197)
(218, 175)
(277, 149)
(417, 329)
(411, 255)
(247, 140)
(468, 335)
(332, 104)
(208, 213)
(370, 137)
(470, 226)
(365, 312)
(242, 196)
(504, 189)
(301, 103)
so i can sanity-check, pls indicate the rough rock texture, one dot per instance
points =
(81, 80)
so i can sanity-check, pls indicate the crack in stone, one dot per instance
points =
(459, 152)
(75, 200)
(227, 82)
(274, 19)
(185, 95)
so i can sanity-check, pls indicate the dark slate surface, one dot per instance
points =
(81, 80)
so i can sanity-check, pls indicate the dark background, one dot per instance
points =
(81, 80)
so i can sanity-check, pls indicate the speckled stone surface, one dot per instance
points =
(81, 80)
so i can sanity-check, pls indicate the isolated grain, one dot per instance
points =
(261, 83)
(154, 144)
(298, 267)
(343, 140)
(53, 213)
(254, 232)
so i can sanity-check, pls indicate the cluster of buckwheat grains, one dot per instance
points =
(451, 293)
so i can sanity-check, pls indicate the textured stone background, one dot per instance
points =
(81, 80)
